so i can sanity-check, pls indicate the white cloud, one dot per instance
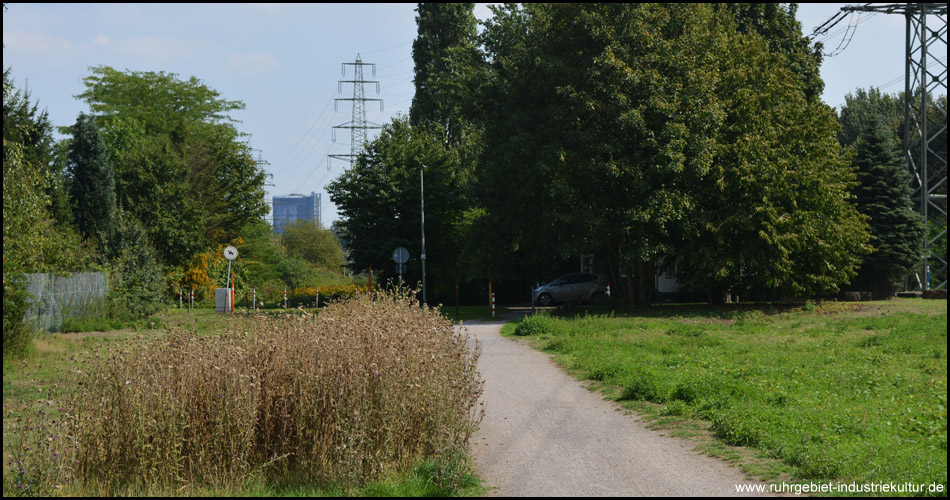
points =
(159, 48)
(253, 62)
(100, 39)
(37, 43)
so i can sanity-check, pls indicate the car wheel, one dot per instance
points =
(598, 298)
(544, 299)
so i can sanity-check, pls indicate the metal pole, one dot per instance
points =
(924, 143)
(227, 290)
(422, 207)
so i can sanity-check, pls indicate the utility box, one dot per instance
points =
(224, 300)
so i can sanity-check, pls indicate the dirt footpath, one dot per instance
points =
(544, 434)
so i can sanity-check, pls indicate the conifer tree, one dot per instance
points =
(884, 196)
(93, 185)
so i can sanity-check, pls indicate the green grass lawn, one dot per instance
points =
(840, 391)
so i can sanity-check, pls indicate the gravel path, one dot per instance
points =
(544, 434)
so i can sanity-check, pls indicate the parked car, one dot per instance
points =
(583, 287)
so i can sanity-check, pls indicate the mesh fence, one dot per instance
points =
(58, 297)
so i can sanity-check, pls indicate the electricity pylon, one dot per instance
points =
(925, 75)
(358, 124)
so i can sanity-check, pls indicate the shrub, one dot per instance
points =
(534, 325)
(17, 335)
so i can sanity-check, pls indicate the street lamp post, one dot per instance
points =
(422, 207)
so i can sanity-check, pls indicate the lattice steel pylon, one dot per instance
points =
(358, 124)
(925, 123)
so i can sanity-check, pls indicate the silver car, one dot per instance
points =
(583, 287)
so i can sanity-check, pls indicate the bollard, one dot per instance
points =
(285, 298)
(254, 297)
(493, 306)
(316, 304)
(179, 298)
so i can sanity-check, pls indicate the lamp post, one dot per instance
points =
(422, 207)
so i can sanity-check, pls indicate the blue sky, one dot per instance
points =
(284, 61)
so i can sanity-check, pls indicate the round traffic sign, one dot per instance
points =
(401, 255)
(230, 253)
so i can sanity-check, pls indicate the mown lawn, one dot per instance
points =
(839, 391)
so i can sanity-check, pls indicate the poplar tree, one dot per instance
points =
(447, 66)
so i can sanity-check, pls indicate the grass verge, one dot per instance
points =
(851, 392)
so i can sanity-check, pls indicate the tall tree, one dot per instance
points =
(647, 130)
(93, 184)
(380, 207)
(863, 111)
(594, 115)
(447, 65)
(170, 100)
(884, 196)
(775, 216)
(181, 167)
(26, 125)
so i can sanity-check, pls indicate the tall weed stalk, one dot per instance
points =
(372, 385)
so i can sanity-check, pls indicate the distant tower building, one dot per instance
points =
(296, 206)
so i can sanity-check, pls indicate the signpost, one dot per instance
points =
(230, 253)
(400, 257)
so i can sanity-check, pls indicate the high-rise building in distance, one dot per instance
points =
(296, 206)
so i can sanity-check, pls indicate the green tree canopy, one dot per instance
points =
(159, 101)
(447, 66)
(33, 241)
(775, 217)
(865, 106)
(307, 240)
(783, 35)
(595, 115)
(181, 166)
(638, 131)
(379, 205)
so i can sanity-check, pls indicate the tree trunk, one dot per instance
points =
(617, 286)
(718, 294)
(632, 290)
(645, 283)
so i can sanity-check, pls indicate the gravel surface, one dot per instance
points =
(544, 434)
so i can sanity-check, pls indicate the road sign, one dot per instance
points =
(230, 253)
(400, 255)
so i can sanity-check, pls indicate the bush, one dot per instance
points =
(368, 387)
(17, 335)
(534, 325)
(139, 284)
